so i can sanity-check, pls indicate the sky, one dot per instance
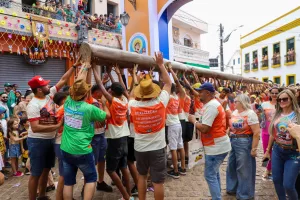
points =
(232, 13)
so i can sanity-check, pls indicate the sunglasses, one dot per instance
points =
(286, 99)
(4, 97)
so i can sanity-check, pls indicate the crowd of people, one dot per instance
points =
(126, 130)
(77, 15)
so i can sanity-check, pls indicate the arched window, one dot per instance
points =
(188, 41)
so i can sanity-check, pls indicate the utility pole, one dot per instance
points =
(221, 47)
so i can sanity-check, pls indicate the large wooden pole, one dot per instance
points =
(125, 59)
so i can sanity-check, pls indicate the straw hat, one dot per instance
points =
(79, 89)
(147, 89)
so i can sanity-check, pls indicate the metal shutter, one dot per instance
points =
(15, 70)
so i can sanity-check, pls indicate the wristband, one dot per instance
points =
(136, 84)
(74, 66)
(86, 69)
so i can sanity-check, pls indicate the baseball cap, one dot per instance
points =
(37, 82)
(206, 86)
(2, 110)
(7, 85)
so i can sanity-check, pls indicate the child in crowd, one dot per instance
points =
(15, 145)
(23, 131)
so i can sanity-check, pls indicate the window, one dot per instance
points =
(239, 60)
(276, 54)
(290, 50)
(176, 35)
(265, 79)
(255, 60)
(290, 79)
(187, 42)
(247, 62)
(277, 80)
(233, 61)
(265, 58)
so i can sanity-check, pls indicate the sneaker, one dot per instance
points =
(182, 171)
(27, 172)
(18, 174)
(134, 191)
(173, 174)
(104, 187)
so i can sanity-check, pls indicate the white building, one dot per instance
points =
(269, 52)
(234, 64)
(187, 31)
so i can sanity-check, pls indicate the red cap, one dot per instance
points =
(37, 82)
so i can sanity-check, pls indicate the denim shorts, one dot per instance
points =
(41, 154)
(14, 150)
(116, 154)
(99, 145)
(86, 164)
(59, 157)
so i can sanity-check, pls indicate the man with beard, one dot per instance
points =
(3, 103)
(42, 130)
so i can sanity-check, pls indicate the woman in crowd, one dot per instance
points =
(244, 136)
(285, 157)
(18, 96)
(268, 110)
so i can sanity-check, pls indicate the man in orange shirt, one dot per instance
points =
(212, 126)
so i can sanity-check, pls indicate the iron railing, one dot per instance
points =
(290, 58)
(247, 67)
(264, 63)
(276, 60)
(254, 66)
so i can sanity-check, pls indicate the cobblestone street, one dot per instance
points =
(189, 187)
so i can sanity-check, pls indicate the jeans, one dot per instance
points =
(285, 168)
(71, 164)
(212, 175)
(241, 169)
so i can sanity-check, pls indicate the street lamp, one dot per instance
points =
(228, 36)
(124, 18)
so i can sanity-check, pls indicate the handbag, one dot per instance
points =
(196, 151)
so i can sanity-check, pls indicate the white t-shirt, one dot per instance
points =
(44, 111)
(217, 140)
(152, 114)
(117, 125)
(4, 127)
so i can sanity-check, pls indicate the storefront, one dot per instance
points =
(15, 70)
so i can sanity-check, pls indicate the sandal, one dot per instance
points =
(50, 188)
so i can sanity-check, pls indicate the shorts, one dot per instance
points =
(99, 145)
(116, 154)
(41, 154)
(175, 137)
(86, 164)
(59, 157)
(130, 156)
(188, 134)
(155, 160)
(14, 151)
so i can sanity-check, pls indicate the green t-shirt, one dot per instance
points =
(11, 103)
(79, 118)
(69, 14)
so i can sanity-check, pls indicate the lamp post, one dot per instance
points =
(124, 17)
(224, 41)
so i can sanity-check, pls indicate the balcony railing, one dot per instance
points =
(247, 67)
(276, 61)
(191, 53)
(290, 58)
(264, 63)
(53, 15)
(254, 66)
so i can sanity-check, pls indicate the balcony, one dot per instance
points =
(264, 64)
(290, 59)
(254, 67)
(18, 19)
(276, 62)
(247, 67)
(188, 54)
